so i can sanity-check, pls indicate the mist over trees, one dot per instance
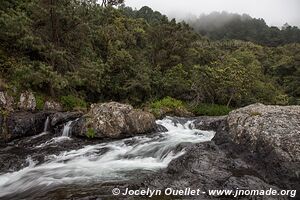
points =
(223, 25)
(79, 49)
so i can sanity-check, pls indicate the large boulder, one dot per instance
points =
(52, 106)
(27, 101)
(22, 124)
(272, 133)
(6, 102)
(205, 166)
(114, 120)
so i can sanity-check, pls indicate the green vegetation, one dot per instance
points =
(167, 102)
(40, 102)
(70, 102)
(82, 52)
(211, 110)
(166, 105)
(3, 112)
(90, 133)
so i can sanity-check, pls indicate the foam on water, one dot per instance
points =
(107, 161)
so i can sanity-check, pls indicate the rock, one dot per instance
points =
(209, 123)
(272, 134)
(6, 102)
(63, 117)
(52, 106)
(27, 101)
(160, 129)
(204, 166)
(22, 124)
(1, 125)
(114, 120)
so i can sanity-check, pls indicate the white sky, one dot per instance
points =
(275, 12)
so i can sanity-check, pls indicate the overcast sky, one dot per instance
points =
(275, 12)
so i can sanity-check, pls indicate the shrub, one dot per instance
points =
(40, 102)
(167, 102)
(211, 110)
(70, 102)
(166, 105)
(90, 133)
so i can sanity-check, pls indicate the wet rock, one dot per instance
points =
(22, 124)
(115, 120)
(64, 117)
(52, 106)
(160, 129)
(272, 134)
(6, 102)
(209, 123)
(205, 166)
(27, 101)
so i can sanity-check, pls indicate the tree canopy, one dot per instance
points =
(225, 25)
(99, 53)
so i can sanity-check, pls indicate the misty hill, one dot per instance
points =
(243, 27)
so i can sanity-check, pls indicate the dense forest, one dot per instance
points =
(89, 52)
(225, 25)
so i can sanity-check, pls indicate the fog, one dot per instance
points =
(274, 12)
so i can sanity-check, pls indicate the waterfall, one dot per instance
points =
(67, 129)
(46, 124)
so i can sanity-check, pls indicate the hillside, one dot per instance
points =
(81, 52)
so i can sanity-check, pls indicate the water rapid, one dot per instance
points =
(111, 161)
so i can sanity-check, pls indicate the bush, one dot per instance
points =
(70, 102)
(211, 110)
(167, 102)
(90, 133)
(40, 102)
(168, 106)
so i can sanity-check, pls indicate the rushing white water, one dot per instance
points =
(67, 129)
(54, 140)
(107, 161)
(46, 124)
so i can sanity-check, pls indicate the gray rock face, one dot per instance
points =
(209, 123)
(52, 106)
(6, 102)
(115, 120)
(1, 124)
(24, 124)
(273, 134)
(207, 167)
(63, 117)
(27, 101)
(263, 128)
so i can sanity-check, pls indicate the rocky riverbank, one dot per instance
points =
(104, 120)
(256, 147)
